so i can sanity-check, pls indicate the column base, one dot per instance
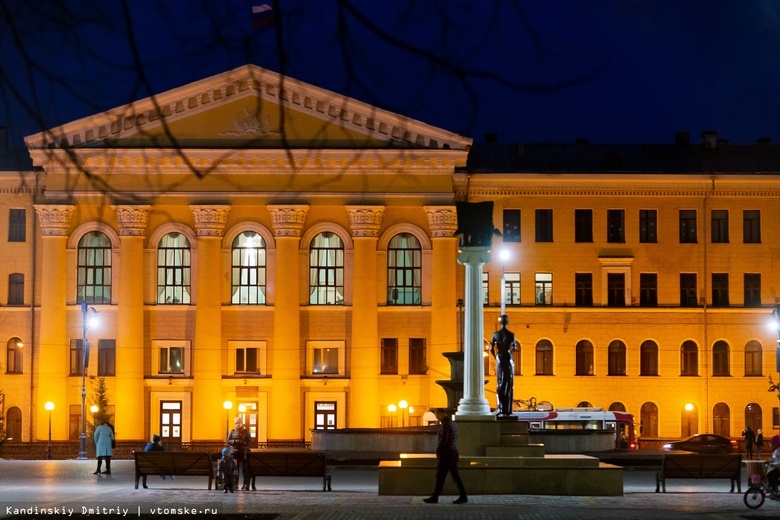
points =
(474, 407)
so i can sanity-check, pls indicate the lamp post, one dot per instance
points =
(403, 405)
(227, 405)
(776, 324)
(392, 409)
(49, 406)
(85, 309)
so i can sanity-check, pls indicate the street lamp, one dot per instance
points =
(227, 405)
(49, 406)
(403, 405)
(392, 409)
(85, 324)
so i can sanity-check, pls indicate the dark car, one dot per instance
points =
(704, 443)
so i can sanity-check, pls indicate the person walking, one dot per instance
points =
(103, 437)
(750, 439)
(238, 441)
(447, 459)
(759, 442)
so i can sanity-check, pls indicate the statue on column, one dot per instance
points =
(501, 346)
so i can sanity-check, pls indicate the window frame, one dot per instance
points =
(242, 348)
(688, 226)
(648, 226)
(544, 225)
(94, 268)
(313, 346)
(720, 359)
(751, 226)
(326, 274)
(404, 275)
(720, 289)
(16, 289)
(689, 290)
(616, 358)
(754, 358)
(76, 358)
(512, 219)
(418, 360)
(616, 289)
(543, 287)
(248, 269)
(584, 364)
(14, 359)
(174, 279)
(689, 359)
(388, 364)
(719, 226)
(616, 226)
(752, 290)
(106, 357)
(648, 289)
(158, 346)
(544, 355)
(17, 225)
(583, 225)
(512, 283)
(583, 289)
(648, 358)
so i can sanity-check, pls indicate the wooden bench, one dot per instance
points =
(288, 463)
(178, 463)
(699, 466)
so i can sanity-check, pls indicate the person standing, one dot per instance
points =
(501, 346)
(759, 442)
(447, 459)
(238, 441)
(103, 437)
(750, 439)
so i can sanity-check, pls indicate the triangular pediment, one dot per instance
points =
(248, 108)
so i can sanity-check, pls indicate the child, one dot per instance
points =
(227, 470)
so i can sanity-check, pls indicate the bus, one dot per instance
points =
(621, 424)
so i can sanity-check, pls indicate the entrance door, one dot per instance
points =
(325, 415)
(248, 414)
(170, 421)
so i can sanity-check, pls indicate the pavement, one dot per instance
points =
(47, 489)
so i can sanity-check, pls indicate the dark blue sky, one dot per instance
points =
(619, 71)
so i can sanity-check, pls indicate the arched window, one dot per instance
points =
(584, 354)
(584, 404)
(648, 420)
(616, 360)
(173, 269)
(94, 268)
(689, 420)
(544, 358)
(326, 270)
(720, 359)
(648, 358)
(753, 416)
(689, 359)
(721, 420)
(15, 356)
(248, 266)
(404, 270)
(617, 407)
(753, 358)
(13, 426)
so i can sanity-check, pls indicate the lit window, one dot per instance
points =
(172, 358)
(404, 270)
(248, 268)
(173, 269)
(326, 270)
(324, 358)
(544, 288)
(94, 268)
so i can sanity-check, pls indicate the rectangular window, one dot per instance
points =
(648, 226)
(17, 225)
(172, 358)
(544, 225)
(485, 288)
(616, 290)
(14, 360)
(688, 290)
(16, 289)
(325, 358)
(752, 290)
(544, 289)
(583, 283)
(720, 226)
(511, 225)
(76, 357)
(648, 289)
(512, 288)
(616, 229)
(389, 356)
(107, 357)
(249, 356)
(720, 289)
(74, 422)
(417, 356)
(688, 226)
(751, 226)
(583, 225)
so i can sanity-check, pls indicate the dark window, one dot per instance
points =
(247, 360)
(512, 287)
(584, 354)
(720, 289)
(107, 357)
(583, 283)
(616, 230)
(14, 357)
(688, 290)
(326, 270)
(389, 356)
(76, 357)
(687, 226)
(544, 358)
(720, 226)
(616, 358)
(485, 288)
(583, 225)
(17, 225)
(648, 289)
(517, 359)
(752, 289)
(511, 225)
(648, 226)
(417, 356)
(248, 268)
(751, 226)
(753, 358)
(94, 268)
(689, 359)
(404, 270)
(648, 358)
(16, 289)
(173, 269)
(616, 289)
(544, 225)
(720, 359)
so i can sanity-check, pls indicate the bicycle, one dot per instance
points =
(759, 489)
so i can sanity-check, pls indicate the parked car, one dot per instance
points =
(704, 443)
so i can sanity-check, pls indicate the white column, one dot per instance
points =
(473, 405)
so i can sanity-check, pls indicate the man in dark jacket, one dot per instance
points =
(447, 458)
(238, 440)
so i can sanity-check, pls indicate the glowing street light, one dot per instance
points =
(88, 319)
(227, 405)
(403, 405)
(49, 406)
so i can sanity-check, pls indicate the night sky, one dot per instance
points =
(620, 71)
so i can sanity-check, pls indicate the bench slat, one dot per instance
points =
(172, 463)
(700, 466)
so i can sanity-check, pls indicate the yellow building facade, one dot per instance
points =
(254, 245)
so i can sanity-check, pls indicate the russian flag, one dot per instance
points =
(261, 15)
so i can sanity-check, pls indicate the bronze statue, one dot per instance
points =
(501, 346)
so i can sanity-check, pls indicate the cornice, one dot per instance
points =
(615, 192)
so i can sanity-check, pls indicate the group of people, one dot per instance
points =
(753, 439)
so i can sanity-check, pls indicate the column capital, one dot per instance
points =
(132, 219)
(365, 220)
(54, 218)
(474, 255)
(287, 219)
(443, 220)
(210, 220)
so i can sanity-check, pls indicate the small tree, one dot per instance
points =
(99, 399)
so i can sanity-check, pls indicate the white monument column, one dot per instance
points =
(473, 405)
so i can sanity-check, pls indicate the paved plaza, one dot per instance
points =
(40, 489)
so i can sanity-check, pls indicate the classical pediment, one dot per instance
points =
(247, 108)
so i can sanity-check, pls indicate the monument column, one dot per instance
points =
(207, 397)
(285, 418)
(364, 392)
(132, 221)
(54, 350)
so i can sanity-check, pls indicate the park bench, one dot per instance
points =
(288, 463)
(178, 463)
(699, 466)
